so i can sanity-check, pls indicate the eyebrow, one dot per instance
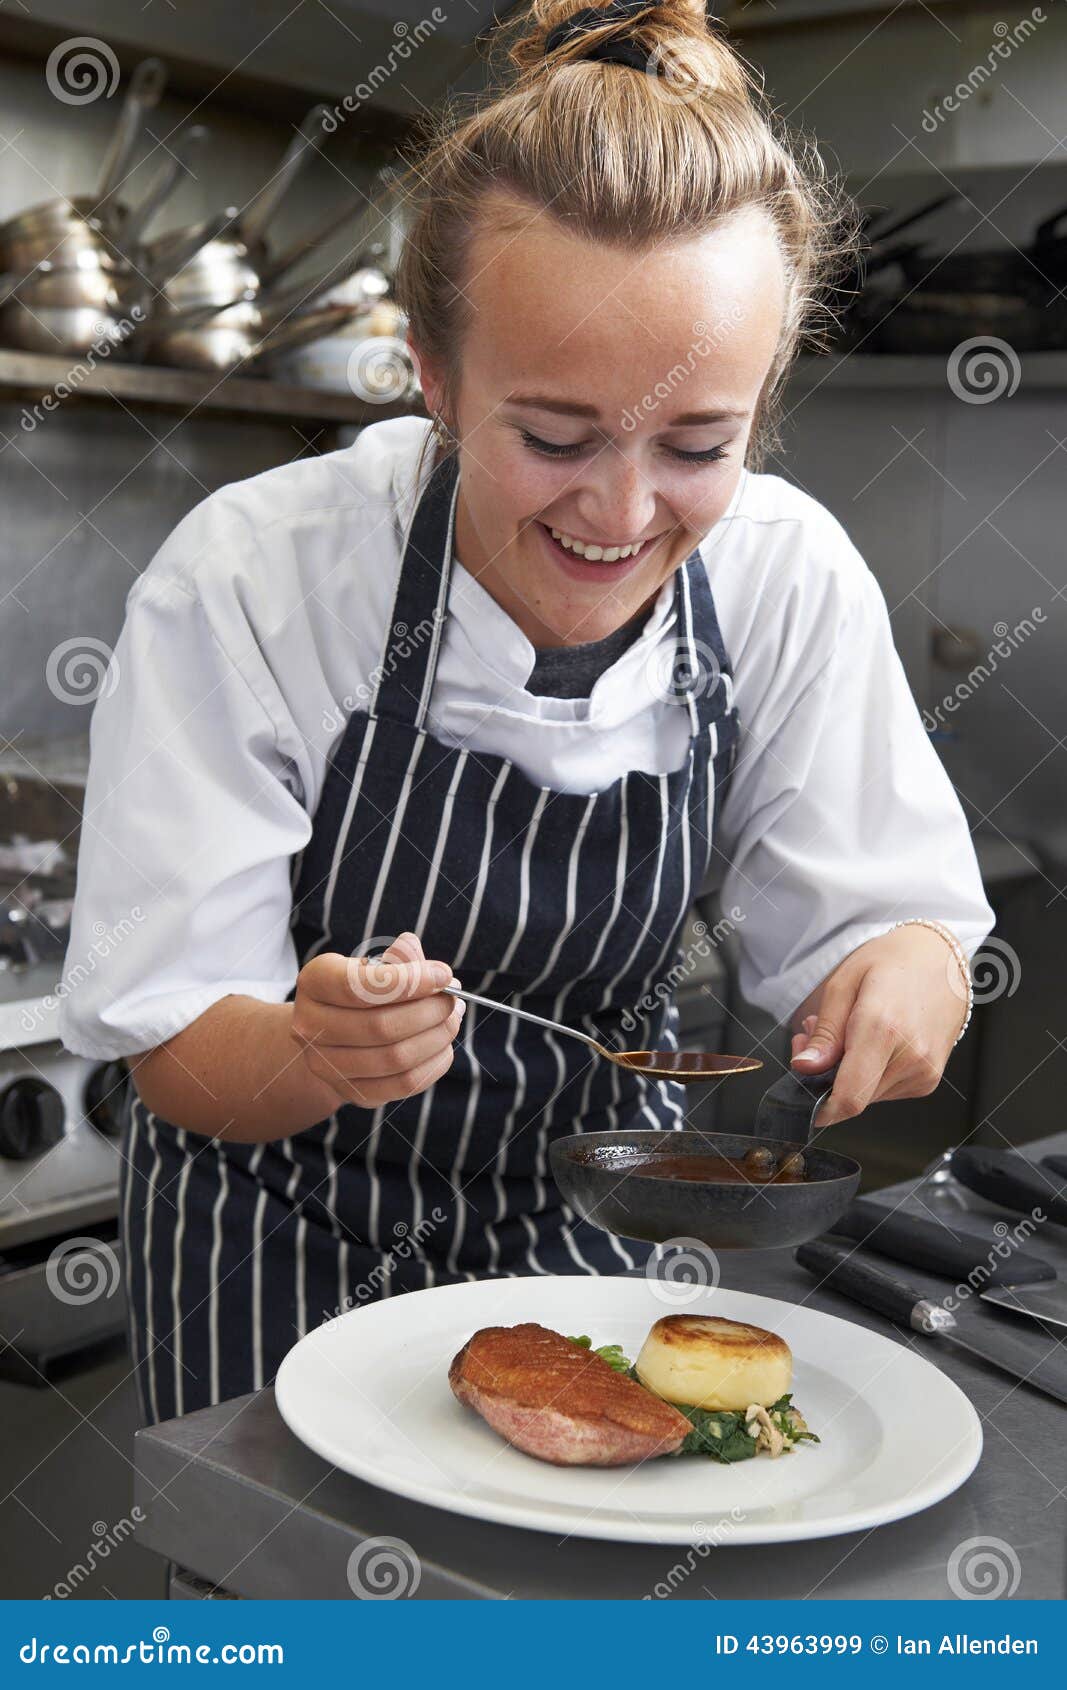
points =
(574, 408)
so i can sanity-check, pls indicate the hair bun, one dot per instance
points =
(550, 26)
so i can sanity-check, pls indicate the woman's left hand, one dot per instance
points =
(889, 1014)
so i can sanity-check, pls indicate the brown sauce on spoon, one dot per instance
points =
(686, 1062)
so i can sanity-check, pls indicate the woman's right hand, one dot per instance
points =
(376, 1030)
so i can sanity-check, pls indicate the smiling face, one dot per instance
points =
(608, 397)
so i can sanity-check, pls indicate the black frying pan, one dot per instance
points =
(600, 1175)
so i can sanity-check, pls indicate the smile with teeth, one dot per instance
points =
(597, 554)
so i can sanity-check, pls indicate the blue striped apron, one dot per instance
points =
(571, 905)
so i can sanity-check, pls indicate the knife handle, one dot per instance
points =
(853, 1275)
(1006, 1178)
(960, 1254)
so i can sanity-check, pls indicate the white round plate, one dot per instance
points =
(369, 1392)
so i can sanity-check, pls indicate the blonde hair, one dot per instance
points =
(625, 158)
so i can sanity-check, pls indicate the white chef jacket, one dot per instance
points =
(259, 625)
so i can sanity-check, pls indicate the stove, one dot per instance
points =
(60, 1113)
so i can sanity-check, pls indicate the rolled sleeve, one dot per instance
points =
(840, 820)
(191, 817)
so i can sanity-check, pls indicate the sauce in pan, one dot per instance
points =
(757, 1166)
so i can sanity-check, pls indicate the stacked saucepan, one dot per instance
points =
(75, 275)
(225, 305)
(81, 274)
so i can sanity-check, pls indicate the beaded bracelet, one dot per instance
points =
(957, 951)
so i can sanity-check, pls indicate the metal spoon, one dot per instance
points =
(661, 1064)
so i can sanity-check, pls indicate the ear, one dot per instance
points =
(430, 378)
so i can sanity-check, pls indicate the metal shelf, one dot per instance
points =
(32, 376)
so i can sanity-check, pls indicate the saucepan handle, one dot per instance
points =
(787, 1109)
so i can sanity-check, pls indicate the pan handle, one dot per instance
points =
(787, 1109)
(143, 94)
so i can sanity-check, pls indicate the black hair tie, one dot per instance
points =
(617, 51)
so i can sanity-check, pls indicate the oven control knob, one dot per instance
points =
(31, 1118)
(105, 1096)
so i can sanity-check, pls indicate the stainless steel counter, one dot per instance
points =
(231, 1495)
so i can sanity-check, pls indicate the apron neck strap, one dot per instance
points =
(413, 637)
(700, 673)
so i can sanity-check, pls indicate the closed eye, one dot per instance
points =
(711, 456)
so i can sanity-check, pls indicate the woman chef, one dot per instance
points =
(499, 694)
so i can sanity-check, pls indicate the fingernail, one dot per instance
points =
(462, 1008)
(441, 974)
(807, 1055)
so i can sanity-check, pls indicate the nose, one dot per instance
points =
(617, 499)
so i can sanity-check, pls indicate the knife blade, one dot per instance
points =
(1005, 1177)
(978, 1259)
(854, 1275)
